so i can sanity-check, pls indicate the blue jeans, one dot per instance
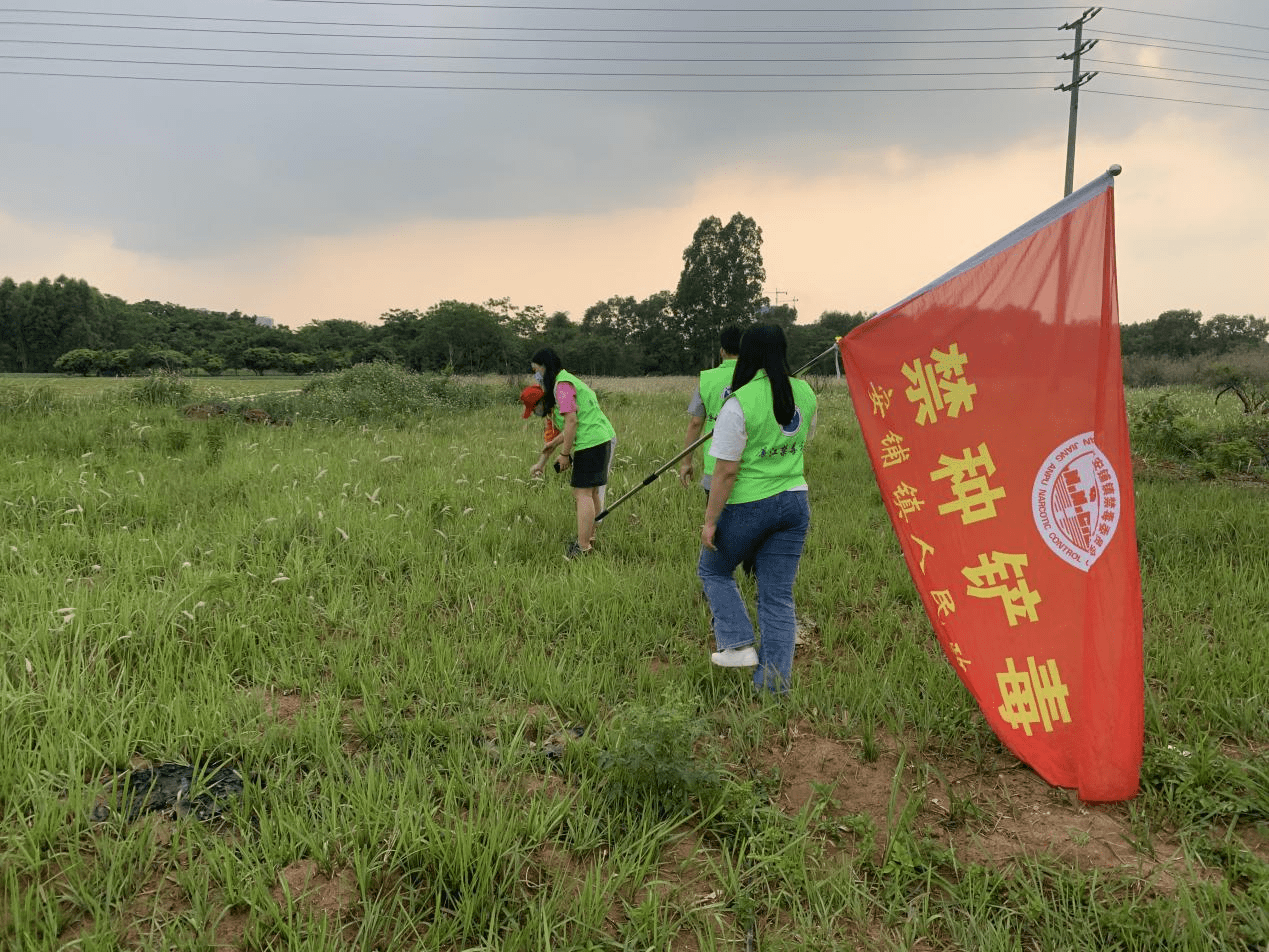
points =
(772, 532)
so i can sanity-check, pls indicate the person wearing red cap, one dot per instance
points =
(531, 396)
(586, 443)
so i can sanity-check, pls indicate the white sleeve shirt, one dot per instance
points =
(730, 435)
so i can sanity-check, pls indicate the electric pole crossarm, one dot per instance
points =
(1067, 87)
(1077, 53)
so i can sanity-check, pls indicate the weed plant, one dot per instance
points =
(652, 760)
(383, 394)
(1191, 428)
(367, 615)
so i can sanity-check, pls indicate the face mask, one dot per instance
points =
(537, 377)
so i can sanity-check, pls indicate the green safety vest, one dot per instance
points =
(772, 460)
(715, 387)
(593, 427)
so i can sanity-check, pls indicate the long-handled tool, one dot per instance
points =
(652, 478)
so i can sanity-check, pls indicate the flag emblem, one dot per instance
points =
(1075, 502)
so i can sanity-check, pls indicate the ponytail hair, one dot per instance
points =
(549, 360)
(764, 347)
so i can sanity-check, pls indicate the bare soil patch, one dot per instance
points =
(989, 816)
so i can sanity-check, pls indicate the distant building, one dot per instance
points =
(264, 321)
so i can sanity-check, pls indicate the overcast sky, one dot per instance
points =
(315, 159)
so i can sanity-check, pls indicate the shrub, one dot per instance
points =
(161, 388)
(1217, 445)
(384, 393)
(1161, 427)
(651, 759)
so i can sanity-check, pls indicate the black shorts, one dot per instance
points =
(590, 466)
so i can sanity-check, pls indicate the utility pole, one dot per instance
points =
(1078, 79)
(775, 295)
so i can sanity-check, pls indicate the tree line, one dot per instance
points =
(1181, 334)
(68, 326)
(65, 325)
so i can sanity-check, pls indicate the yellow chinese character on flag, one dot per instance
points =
(939, 385)
(906, 501)
(926, 549)
(944, 602)
(958, 393)
(1034, 696)
(880, 399)
(975, 499)
(893, 452)
(990, 580)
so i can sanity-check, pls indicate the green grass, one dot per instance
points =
(221, 387)
(371, 620)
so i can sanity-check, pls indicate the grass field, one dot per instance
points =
(233, 386)
(412, 725)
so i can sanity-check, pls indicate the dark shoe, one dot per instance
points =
(575, 551)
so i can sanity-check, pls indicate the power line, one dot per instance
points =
(517, 39)
(1186, 49)
(1188, 82)
(766, 62)
(507, 72)
(584, 8)
(527, 29)
(504, 57)
(1191, 102)
(781, 10)
(1176, 69)
(1176, 16)
(1168, 39)
(486, 28)
(523, 89)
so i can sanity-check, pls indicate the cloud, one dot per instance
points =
(309, 203)
(859, 235)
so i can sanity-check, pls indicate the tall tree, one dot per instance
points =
(721, 282)
(1177, 333)
(336, 343)
(464, 338)
(659, 337)
(1226, 332)
(614, 318)
(9, 308)
(525, 322)
(42, 321)
(559, 333)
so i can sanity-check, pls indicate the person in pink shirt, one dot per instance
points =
(586, 442)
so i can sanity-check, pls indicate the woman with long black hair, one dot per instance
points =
(585, 442)
(758, 507)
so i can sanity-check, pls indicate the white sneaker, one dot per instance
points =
(745, 657)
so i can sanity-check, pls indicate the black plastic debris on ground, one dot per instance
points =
(552, 748)
(202, 791)
(554, 745)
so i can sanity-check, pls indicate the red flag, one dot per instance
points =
(992, 405)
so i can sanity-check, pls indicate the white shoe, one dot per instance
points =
(745, 657)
